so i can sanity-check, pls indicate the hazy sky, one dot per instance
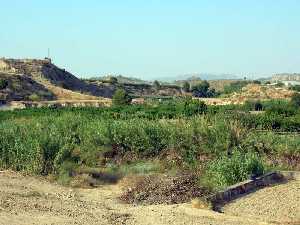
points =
(148, 38)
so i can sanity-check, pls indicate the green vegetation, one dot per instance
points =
(295, 100)
(279, 84)
(202, 90)
(226, 144)
(34, 97)
(120, 98)
(295, 88)
(156, 85)
(186, 86)
(3, 83)
(226, 171)
(113, 80)
(235, 87)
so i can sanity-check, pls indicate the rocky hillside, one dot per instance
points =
(31, 79)
(22, 87)
(142, 89)
(259, 92)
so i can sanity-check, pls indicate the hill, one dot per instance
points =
(260, 92)
(140, 89)
(121, 79)
(218, 85)
(33, 79)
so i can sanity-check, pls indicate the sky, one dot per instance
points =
(155, 38)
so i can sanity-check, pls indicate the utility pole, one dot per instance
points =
(48, 53)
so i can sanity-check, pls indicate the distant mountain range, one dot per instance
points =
(200, 76)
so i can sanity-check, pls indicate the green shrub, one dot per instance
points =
(120, 98)
(226, 171)
(235, 87)
(113, 80)
(280, 107)
(253, 105)
(3, 84)
(295, 88)
(193, 107)
(186, 86)
(295, 100)
(34, 97)
(202, 90)
(156, 85)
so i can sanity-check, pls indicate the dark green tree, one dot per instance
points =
(295, 88)
(121, 98)
(113, 80)
(186, 86)
(279, 84)
(156, 85)
(201, 90)
(193, 106)
(295, 100)
(3, 84)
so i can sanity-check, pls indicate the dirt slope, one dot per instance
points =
(256, 91)
(278, 203)
(26, 200)
(50, 82)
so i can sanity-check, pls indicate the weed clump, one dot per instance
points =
(226, 171)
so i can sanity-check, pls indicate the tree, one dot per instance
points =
(295, 100)
(3, 84)
(256, 82)
(201, 89)
(121, 98)
(186, 86)
(279, 84)
(156, 85)
(295, 88)
(113, 80)
(235, 87)
(193, 106)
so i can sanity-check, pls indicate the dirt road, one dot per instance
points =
(26, 200)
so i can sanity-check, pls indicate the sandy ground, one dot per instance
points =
(26, 200)
(277, 203)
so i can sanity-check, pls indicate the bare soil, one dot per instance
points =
(27, 200)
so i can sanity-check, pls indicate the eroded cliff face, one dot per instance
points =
(44, 77)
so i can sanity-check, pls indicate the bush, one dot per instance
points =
(3, 84)
(190, 107)
(280, 108)
(235, 87)
(202, 90)
(295, 88)
(279, 84)
(156, 85)
(295, 100)
(186, 86)
(120, 98)
(253, 105)
(226, 171)
(34, 97)
(113, 80)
